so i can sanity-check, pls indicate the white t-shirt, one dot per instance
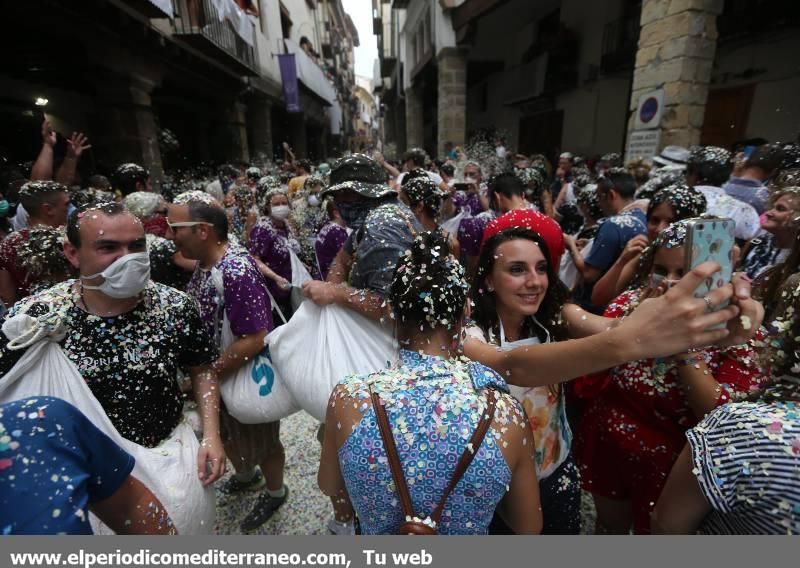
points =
(546, 412)
(214, 189)
(435, 178)
(720, 204)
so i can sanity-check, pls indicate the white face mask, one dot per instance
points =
(281, 212)
(126, 277)
(313, 200)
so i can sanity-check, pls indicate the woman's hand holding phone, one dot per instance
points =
(678, 321)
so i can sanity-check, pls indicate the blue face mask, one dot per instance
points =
(4, 207)
(354, 213)
(70, 209)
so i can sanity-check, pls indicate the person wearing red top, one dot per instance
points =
(634, 428)
(47, 203)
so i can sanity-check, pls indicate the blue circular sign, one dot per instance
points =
(649, 110)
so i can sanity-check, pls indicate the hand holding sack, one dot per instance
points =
(323, 344)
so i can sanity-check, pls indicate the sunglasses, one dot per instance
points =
(174, 226)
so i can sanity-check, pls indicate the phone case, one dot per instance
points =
(711, 239)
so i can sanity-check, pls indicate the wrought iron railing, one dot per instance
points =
(201, 18)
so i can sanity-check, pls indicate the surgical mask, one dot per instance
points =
(657, 279)
(4, 208)
(70, 209)
(313, 200)
(126, 277)
(281, 212)
(354, 214)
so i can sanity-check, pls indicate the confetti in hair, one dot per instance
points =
(429, 288)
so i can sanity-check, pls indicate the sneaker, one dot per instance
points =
(233, 485)
(341, 529)
(265, 507)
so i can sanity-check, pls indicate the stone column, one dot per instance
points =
(452, 100)
(677, 42)
(259, 123)
(297, 134)
(236, 132)
(415, 124)
(124, 126)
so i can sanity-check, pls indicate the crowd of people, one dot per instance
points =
(548, 341)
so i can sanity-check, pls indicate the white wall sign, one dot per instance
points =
(642, 144)
(649, 110)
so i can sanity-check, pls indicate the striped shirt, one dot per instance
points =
(746, 459)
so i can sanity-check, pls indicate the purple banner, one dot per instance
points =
(291, 90)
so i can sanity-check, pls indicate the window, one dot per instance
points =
(286, 22)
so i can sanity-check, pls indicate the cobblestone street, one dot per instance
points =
(307, 511)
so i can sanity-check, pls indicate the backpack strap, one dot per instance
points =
(391, 454)
(468, 455)
(461, 467)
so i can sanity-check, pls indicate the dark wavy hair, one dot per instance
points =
(484, 311)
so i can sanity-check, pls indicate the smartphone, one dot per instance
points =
(711, 239)
(460, 186)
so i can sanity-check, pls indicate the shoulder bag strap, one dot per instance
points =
(392, 455)
(468, 455)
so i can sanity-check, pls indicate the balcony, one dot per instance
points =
(220, 30)
(153, 8)
(620, 42)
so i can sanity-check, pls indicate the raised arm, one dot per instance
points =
(43, 166)
(659, 327)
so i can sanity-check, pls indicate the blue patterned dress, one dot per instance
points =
(433, 405)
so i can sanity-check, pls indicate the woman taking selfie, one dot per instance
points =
(516, 298)
(433, 402)
(633, 430)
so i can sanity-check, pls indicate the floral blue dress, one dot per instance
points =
(433, 405)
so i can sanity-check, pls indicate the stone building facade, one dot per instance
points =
(556, 75)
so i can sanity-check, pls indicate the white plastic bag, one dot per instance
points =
(300, 276)
(568, 272)
(168, 470)
(450, 227)
(255, 394)
(323, 344)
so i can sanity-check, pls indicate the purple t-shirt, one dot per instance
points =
(244, 296)
(329, 242)
(469, 202)
(271, 245)
(470, 232)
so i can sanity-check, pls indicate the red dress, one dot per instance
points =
(634, 428)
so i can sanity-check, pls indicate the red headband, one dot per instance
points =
(536, 222)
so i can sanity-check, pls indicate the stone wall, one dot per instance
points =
(677, 43)
(415, 126)
(452, 98)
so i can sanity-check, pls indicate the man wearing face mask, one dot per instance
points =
(229, 288)
(383, 229)
(128, 336)
(47, 203)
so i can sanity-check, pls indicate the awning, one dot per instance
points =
(310, 74)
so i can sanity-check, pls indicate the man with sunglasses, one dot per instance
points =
(231, 292)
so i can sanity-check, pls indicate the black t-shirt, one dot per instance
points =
(130, 361)
(162, 267)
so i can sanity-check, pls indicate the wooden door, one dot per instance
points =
(727, 112)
